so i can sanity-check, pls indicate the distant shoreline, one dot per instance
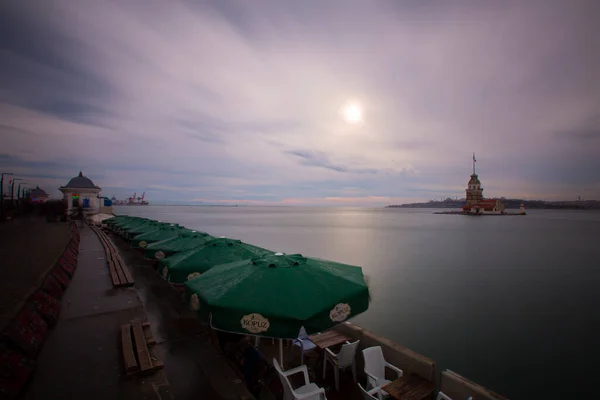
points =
(190, 205)
(510, 204)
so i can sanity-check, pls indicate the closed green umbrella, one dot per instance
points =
(121, 229)
(136, 227)
(276, 295)
(110, 222)
(162, 233)
(184, 241)
(113, 220)
(116, 222)
(186, 265)
(147, 227)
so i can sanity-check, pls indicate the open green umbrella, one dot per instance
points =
(276, 295)
(162, 233)
(186, 265)
(184, 241)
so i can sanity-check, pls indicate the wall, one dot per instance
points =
(458, 387)
(451, 383)
(105, 210)
(405, 359)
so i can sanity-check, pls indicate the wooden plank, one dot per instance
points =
(118, 269)
(128, 354)
(150, 340)
(328, 339)
(141, 347)
(411, 387)
(156, 363)
(122, 280)
(123, 270)
(113, 273)
(126, 272)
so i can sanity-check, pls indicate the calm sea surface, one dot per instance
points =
(509, 302)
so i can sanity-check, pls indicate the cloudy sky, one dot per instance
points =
(248, 101)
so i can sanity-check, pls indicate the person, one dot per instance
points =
(77, 214)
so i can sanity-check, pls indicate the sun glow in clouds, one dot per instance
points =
(352, 113)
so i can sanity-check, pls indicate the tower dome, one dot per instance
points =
(81, 182)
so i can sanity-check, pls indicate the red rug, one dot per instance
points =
(47, 306)
(52, 287)
(27, 331)
(68, 266)
(70, 255)
(15, 369)
(61, 277)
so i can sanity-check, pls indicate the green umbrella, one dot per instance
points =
(112, 220)
(162, 233)
(113, 223)
(109, 222)
(145, 228)
(123, 219)
(276, 295)
(120, 227)
(186, 265)
(184, 241)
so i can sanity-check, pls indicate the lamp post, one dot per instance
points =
(2, 193)
(18, 195)
(19, 189)
(12, 189)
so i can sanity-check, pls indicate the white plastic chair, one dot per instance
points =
(369, 394)
(309, 391)
(442, 396)
(304, 343)
(342, 360)
(375, 368)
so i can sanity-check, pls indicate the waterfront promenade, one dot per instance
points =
(81, 356)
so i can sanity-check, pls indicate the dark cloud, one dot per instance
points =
(319, 159)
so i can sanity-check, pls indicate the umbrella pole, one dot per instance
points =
(281, 352)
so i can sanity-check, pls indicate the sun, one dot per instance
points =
(352, 113)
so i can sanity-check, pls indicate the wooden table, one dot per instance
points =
(411, 387)
(328, 339)
(323, 341)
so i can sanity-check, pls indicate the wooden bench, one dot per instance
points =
(137, 342)
(119, 272)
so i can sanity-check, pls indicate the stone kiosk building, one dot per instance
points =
(38, 195)
(81, 191)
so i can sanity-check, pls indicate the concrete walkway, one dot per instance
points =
(81, 358)
(195, 368)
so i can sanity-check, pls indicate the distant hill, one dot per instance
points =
(510, 203)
